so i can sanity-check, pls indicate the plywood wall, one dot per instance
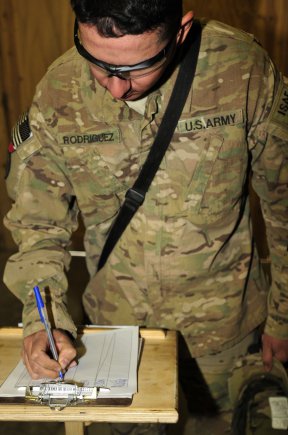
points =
(266, 19)
(34, 32)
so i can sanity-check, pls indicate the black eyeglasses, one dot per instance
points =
(125, 72)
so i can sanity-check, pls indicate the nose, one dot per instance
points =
(117, 86)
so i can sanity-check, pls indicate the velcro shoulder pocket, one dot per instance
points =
(279, 113)
(24, 145)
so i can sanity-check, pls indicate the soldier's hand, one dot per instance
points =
(273, 347)
(35, 354)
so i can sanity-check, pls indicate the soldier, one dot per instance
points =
(187, 260)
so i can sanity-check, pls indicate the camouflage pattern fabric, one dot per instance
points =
(205, 405)
(186, 261)
(253, 393)
(137, 429)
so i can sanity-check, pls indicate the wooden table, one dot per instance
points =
(155, 402)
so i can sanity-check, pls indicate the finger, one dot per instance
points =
(72, 365)
(66, 363)
(66, 349)
(267, 355)
(44, 367)
(281, 355)
(38, 363)
(37, 370)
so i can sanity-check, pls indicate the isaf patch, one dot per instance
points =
(280, 110)
(20, 133)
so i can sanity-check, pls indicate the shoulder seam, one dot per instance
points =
(65, 58)
(223, 30)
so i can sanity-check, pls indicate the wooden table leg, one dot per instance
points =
(74, 428)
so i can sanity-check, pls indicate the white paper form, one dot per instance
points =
(106, 359)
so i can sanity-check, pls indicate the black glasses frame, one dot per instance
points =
(117, 70)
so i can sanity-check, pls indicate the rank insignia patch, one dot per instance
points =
(20, 133)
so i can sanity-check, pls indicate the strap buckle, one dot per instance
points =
(134, 198)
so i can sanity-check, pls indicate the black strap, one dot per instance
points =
(135, 196)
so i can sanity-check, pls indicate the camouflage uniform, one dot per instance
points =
(254, 390)
(186, 261)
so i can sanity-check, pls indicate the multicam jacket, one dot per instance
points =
(186, 260)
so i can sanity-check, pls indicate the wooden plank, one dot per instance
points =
(153, 334)
(5, 237)
(156, 400)
(11, 332)
(48, 33)
(74, 428)
(33, 34)
(272, 19)
(266, 19)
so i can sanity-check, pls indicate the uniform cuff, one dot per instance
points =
(277, 327)
(61, 320)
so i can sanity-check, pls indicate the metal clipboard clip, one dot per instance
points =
(58, 395)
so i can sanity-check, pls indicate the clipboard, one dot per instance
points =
(155, 402)
(59, 395)
(106, 372)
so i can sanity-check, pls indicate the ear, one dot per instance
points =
(186, 25)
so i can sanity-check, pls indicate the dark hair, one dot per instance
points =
(115, 18)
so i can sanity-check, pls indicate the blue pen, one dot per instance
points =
(44, 320)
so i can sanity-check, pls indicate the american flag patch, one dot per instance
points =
(21, 132)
